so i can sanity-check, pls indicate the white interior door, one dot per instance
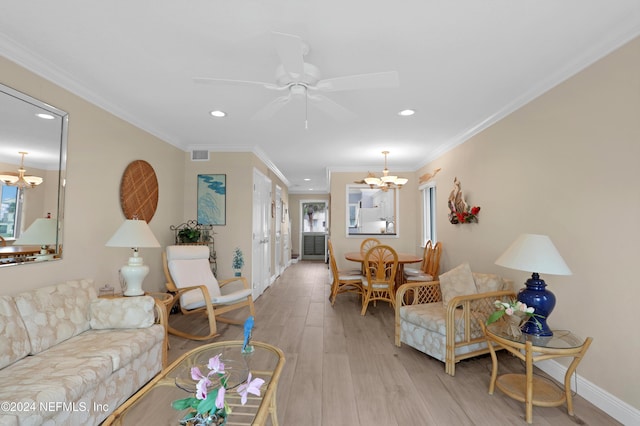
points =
(261, 245)
(278, 234)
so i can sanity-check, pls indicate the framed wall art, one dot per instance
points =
(212, 199)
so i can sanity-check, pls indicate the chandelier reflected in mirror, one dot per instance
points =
(385, 181)
(20, 179)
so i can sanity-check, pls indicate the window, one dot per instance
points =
(428, 212)
(8, 211)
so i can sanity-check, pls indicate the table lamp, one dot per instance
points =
(531, 252)
(42, 232)
(134, 233)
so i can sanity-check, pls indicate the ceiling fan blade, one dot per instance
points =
(291, 50)
(271, 108)
(377, 80)
(208, 80)
(331, 108)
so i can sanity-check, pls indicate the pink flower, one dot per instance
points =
(509, 310)
(215, 365)
(220, 397)
(250, 387)
(201, 388)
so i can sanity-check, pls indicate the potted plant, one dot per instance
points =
(189, 235)
(238, 261)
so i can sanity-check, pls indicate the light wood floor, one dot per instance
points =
(344, 369)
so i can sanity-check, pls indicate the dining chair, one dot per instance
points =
(430, 266)
(190, 279)
(408, 271)
(343, 281)
(381, 265)
(366, 244)
(3, 242)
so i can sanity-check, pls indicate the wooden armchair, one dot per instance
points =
(191, 281)
(451, 332)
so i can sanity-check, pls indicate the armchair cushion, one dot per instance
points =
(457, 282)
(194, 272)
(123, 312)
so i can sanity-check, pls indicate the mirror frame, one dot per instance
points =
(351, 206)
(62, 164)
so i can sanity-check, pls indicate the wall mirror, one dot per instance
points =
(39, 130)
(371, 211)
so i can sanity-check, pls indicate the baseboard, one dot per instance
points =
(613, 406)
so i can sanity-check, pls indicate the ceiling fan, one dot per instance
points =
(297, 78)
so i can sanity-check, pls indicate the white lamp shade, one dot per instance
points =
(534, 253)
(42, 232)
(133, 233)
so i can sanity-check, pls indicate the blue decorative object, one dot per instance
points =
(248, 326)
(542, 300)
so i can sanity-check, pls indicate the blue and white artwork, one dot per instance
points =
(212, 203)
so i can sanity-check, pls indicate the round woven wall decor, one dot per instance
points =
(139, 191)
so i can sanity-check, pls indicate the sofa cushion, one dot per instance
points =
(432, 317)
(122, 312)
(457, 282)
(52, 379)
(14, 340)
(55, 313)
(120, 346)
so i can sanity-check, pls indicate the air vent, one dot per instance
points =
(199, 155)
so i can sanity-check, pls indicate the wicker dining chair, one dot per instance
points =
(342, 281)
(381, 265)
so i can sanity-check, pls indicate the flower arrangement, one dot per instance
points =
(517, 313)
(470, 215)
(208, 405)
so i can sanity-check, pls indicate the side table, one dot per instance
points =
(526, 388)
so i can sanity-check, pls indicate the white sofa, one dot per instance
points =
(70, 358)
(441, 318)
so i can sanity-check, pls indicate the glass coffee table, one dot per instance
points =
(527, 388)
(152, 403)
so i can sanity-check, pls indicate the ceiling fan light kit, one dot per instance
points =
(386, 181)
(298, 78)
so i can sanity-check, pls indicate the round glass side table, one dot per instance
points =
(527, 388)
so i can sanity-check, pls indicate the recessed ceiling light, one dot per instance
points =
(406, 112)
(45, 116)
(306, 179)
(218, 113)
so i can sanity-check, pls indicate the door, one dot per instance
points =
(314, 227)
(261, 245)
(278, 235)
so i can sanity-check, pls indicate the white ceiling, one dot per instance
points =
(462, 65)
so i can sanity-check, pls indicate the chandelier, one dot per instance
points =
(20, 179)
(385, 182)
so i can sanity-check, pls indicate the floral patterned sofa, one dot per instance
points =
(68, 357)
(441, 318)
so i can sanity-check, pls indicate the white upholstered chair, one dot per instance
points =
(191, 281)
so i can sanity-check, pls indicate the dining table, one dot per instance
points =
(403, 258)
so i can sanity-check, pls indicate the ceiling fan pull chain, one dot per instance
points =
(306, 109)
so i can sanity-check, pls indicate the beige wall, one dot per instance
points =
(565, 165)
(238, 166)
(100, 146)
(408, 239)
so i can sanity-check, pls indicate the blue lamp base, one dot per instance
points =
(542, 300)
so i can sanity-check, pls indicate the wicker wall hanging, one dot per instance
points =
(139, 191)
(460, 211)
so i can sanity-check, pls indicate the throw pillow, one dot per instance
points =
(457, 282)
(122, 312)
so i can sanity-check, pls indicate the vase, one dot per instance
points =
(514, 325)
